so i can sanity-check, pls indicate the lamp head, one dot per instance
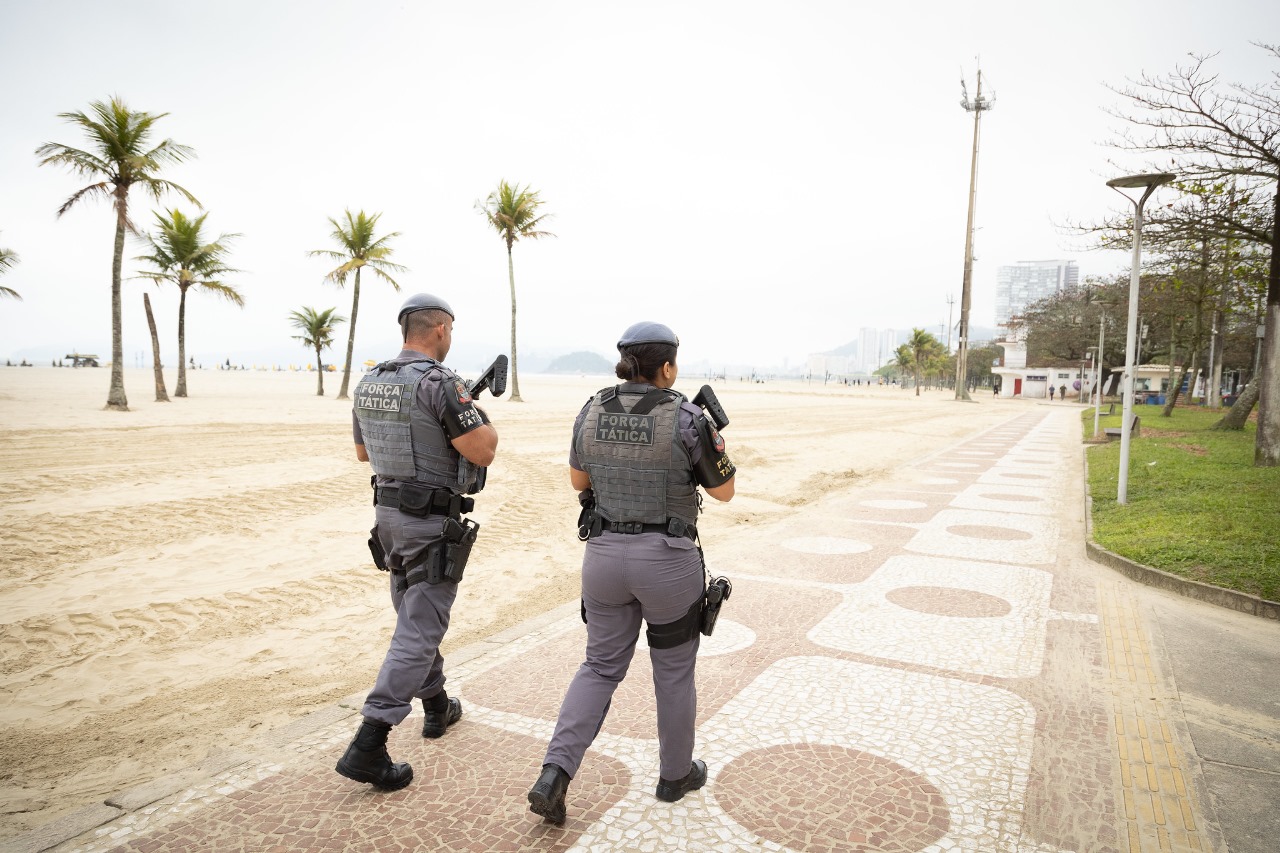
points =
(1153, 179)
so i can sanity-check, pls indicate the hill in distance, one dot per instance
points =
(580, 362)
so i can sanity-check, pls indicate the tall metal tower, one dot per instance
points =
(976, 106)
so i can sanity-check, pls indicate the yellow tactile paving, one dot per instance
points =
(1160, 809)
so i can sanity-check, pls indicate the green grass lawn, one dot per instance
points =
(1197, 506)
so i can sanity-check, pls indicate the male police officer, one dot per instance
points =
(416, 424)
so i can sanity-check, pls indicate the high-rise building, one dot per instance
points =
(1025, 282)
(888, 347)
(868, 339)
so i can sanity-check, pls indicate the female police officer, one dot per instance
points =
(643, 450)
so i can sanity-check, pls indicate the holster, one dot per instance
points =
(459, 536)
(375, 548)
(718, 592)
(589, 522)
(446, 558)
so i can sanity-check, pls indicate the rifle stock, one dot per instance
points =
(706, 398)
(494, 378)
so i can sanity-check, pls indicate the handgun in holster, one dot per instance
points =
(589, 521)
(718, 592)
(459, 536)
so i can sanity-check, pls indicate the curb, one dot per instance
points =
(1208, 593)
(1216, 595)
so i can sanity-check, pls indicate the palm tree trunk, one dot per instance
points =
(115, 397)
(515, 376)
(161, 395)
(181, 390)
(351, 339)
(319, 374)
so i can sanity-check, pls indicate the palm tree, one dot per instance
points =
(181, 256)
(904, 360)
(119, 159)
(512, 210)
(317, 331)
(8, 260)
(923, 347)
(359, 249)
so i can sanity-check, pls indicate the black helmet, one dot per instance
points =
(648, 332)
(423, 302)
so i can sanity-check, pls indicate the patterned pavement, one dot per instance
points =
(929, 664)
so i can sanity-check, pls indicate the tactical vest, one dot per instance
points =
(404, 443)
(640, 469)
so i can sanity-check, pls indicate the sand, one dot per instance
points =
(179, 578)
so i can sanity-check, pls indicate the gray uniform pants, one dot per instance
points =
(626, 578)
(413, 665)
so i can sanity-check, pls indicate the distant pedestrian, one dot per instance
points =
(1062, 393)
(1050, 393)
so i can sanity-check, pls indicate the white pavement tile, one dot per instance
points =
(1037, 542)
(1006, 646)
(1027, 500)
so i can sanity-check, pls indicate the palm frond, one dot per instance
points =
(119, 154)
(103, 189)
(80, 162)
(317, 327)
(355, 234)
(512, 211)
(181, 255)
(226, 291)
(8, 260)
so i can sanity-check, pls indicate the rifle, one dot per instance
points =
(706, 398)
(494, 378)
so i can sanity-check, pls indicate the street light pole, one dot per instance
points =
(976, 106)
(1148, 183)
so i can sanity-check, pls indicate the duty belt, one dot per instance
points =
(674, 527)
(442, 502)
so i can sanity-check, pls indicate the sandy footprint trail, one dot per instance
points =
(174, 578)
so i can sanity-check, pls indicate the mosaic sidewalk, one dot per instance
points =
(927, 665)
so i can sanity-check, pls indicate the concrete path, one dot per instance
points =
(929, 664)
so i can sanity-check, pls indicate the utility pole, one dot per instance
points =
(976, 106)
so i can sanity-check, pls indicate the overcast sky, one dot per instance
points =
(766, 178)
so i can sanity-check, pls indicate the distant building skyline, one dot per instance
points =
(1020, 284)
(870, 350)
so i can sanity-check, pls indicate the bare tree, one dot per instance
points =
(1216, 131)
(162, 396)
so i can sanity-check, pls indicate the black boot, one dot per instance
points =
(438, 718)
(546, 797)
(671, 791)
(366, 759)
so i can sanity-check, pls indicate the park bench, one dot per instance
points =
(1114, 432)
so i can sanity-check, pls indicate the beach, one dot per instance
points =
(185, 576)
